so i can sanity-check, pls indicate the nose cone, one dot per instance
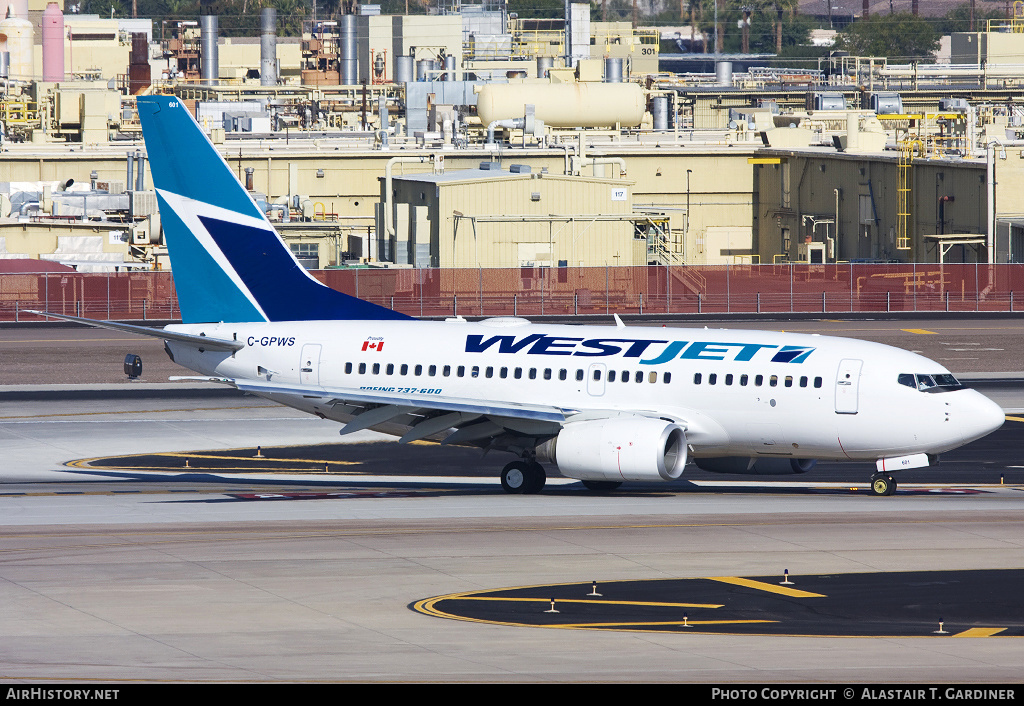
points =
(979, 416)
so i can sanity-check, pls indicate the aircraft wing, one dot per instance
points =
(428, 415)
(204, 342)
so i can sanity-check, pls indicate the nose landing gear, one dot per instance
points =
(526, 477)
(882, 484)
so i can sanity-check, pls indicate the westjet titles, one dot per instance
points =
(541, 344)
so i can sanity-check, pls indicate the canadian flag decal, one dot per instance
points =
(373, 345)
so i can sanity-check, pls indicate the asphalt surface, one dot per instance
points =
(879, 604)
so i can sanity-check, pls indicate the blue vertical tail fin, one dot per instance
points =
(229, 263)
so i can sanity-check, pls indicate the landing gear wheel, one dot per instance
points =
(601, 486)
(515, 477)
(882, 485)
(537, 478)
(522, 477)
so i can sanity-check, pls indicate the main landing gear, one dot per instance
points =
(523, 477)
(882, 484)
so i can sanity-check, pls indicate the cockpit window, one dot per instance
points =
(941, 382)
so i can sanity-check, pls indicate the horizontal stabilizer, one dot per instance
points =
(204, 342)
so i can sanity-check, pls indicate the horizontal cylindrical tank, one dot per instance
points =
(53, 43)
(564, 104)
(19, 35)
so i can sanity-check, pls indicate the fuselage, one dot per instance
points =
(738, 392)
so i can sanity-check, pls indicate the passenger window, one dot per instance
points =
(639, 377)
(758, 380)
(728, 379)
(461, 371)
(817, 382)
(432, 370)
(376, 368)
(773, 380)
(696, 378)
(803, 381)
(789, 381)
(390, 369)
(652, 376)
(489, 372)
(362, 368)
(597, 373)
(518, 374)
(503, 373)
(713, 379)
(563, 374)
(404, 370)
(743, 380)
(625, 376)
(666, 378)
(579, 374)
(348, 368)
(446, 371)
(547, 373)
(475, 372)
(418, 370)
(533, 373)
(611, 376)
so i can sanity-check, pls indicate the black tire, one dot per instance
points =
(601, 486)
(882, 485)
(537, 478)
(516, 478)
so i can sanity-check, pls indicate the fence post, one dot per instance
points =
(641, 303)
(887, 308)
(576, 303)
(143, 309)
(698, 302)
(822, 302)
(668, 289)
(758, 302)
(455, 305)
(515, 305)
(947, 300)
(16, 312)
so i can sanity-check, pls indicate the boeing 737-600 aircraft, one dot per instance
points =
(603, 404)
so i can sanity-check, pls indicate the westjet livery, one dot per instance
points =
(603, 404)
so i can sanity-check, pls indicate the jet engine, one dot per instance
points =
(618, 449)
(755, 466)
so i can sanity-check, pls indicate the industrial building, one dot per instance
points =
(472, 138)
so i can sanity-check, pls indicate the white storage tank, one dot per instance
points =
(564, 104)
(16, 38)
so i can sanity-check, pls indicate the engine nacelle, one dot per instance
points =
(755, 466)
(617, 449)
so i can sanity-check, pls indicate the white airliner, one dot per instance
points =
(604, 404)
